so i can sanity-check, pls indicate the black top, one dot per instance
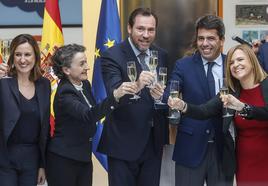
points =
(75, 121)
(27, 129)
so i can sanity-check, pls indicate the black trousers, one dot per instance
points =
(145, 171)
(67, 172)
(23, 169)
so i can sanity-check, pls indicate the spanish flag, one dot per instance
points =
(52, 38)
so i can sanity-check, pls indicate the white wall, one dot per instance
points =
(229, 20)
(71, 35)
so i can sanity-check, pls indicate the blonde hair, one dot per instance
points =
(259, 73)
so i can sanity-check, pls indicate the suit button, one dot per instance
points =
(112, 107)
(207, 131)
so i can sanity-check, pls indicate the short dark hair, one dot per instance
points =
(143, 12)
(36, 72)
(211, 22)
(63, 57)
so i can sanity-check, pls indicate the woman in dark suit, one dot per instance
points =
(24, 116)
(76, 114)
(248, 84)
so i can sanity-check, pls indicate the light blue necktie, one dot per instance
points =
(144, 66)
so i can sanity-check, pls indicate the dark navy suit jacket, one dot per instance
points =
(10, 114)
(193, 135)
(126, 131)
(263, 56)
(75, 122)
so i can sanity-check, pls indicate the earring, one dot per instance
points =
(13, 66)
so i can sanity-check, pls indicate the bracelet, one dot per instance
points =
(246, 111)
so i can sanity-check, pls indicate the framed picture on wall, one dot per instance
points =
(263, 34)
(29, 13)
(252, 14)
(250, 35)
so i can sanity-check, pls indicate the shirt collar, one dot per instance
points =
(78, 87)
(218, 60)
(134, 48)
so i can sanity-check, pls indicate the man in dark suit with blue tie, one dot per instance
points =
(198, 146)
(134, 134)
(263, 55)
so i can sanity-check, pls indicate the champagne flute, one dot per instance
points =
(5, 51)
(132, 75)
(174, 93)
(162, 80)
(223, 87)
(153, 62)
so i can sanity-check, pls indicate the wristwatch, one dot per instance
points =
(246, 112)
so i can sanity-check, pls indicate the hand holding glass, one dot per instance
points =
(223, 87)
(5, 51)
(162, 80)
(174, 93)
(153, 62)
(132, 75)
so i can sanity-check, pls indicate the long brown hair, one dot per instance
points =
(18, 40)
(259, 73)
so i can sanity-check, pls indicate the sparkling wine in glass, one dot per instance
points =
(132, 75)
(162, 76)
(162, 80)
(223, 87)
(5, 51)
(153, 62)
(174, 93)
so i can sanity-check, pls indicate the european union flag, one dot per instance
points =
(107, 36)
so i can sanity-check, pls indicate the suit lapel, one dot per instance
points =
(88, 94)
(200, 71)
(264, 86)
(11, 106)
(39, 89)
(78, 93)
(130, 55)
(14, 89)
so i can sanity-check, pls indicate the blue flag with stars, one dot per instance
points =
(108, 35)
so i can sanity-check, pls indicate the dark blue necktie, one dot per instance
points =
(210, 78)
(211, 86)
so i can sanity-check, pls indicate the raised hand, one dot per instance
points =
(177, 104)
(232, 102)
(145, 78)
(125, 88)
(157, 91)
(3, 70)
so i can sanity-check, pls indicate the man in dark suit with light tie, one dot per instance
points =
(134, 134)
(198, 147)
